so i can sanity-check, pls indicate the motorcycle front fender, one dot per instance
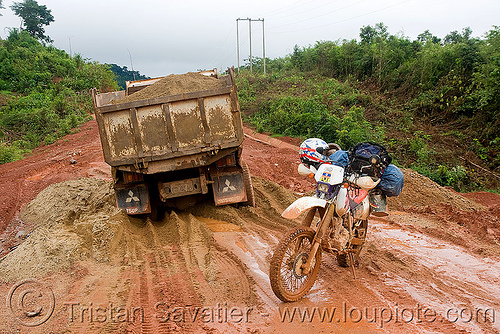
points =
(301, 205)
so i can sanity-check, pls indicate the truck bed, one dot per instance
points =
(169, 132)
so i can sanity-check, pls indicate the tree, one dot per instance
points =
(426, 36)
(123, 74)
(34, 17)
(1, 7)
(455, 37)
(367, 34)
(375, 38)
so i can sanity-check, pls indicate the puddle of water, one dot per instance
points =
(460, 277)
(443, 257)
(318, 294)
(396, 241)
(241, 245)
(218, 225)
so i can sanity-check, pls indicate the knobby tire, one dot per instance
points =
(286, 284)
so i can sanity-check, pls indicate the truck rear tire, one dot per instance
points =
(157, 209)
(157, 213)
(247, 179)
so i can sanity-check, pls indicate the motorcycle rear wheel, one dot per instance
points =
(285, 273)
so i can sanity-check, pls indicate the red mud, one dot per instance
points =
(402, 265)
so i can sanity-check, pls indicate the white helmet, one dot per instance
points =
(308, 153)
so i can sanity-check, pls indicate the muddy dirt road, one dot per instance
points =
(432, 266)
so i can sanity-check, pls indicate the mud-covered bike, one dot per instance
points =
(336, 222)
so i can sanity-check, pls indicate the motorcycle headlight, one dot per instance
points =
(323, 187)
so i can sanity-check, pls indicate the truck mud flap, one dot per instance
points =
(133, 198)
(228, 187)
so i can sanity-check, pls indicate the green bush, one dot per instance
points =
(12, 152)
(308, 117)
(456, 177)
(418, 146)
(38, 117)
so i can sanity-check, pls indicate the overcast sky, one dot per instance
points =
(163, 37)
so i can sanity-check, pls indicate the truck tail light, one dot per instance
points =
(229, 160)
(132, 177)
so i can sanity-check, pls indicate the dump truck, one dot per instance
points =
(171, 150)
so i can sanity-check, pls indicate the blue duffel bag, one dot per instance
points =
(340, 158)
(391, 181)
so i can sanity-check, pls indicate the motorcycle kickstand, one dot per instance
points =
(351, 259)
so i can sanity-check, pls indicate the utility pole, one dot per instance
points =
(250, 39)
(250, 35)
(69, 39)
(238, 45)
(131, 64)
(263, 48)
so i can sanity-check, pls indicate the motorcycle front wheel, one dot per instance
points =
(287, 279)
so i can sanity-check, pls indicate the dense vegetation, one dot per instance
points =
(43, 93)
(434, 102)
(123, 74)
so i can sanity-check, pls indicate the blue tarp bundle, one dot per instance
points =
(340, 158)
(391, 181)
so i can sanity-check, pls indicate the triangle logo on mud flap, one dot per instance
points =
(228, 187)
(132, 197)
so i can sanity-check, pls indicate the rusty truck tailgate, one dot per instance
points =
(169, 126)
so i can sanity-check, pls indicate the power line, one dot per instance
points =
(228, 56)
(302, 11)
(282, 10)
(315, 17)
(222, 45)
(341, 21)
(231, 53)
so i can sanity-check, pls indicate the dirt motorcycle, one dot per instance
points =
(336, 222)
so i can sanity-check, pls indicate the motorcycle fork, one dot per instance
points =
(318, 236)
(311, 214)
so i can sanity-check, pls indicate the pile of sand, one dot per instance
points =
(73, 221)
(175, 84)
(421, 191)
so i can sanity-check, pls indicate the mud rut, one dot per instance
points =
(219, 259)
